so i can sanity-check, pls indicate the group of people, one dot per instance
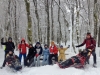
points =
(35, 52)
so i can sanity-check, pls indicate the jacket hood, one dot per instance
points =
(22, 40)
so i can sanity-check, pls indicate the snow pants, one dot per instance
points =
(61, 57)
(50, 58)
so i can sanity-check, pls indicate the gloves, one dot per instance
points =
(2, 39)
(37, 55)
(76, 46)
(68, 46)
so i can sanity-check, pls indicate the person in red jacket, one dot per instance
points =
(22, 49)
(90, 44)
(53, 53)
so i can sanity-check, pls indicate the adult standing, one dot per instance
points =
(9, 46)
(23, 49)
(90, 44)
(53, 53)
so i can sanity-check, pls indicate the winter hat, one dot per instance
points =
(45, 45)
(52, 43)
(9, 38)
(38, 43)
(61, 45)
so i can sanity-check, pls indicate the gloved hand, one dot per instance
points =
(68, 46)
(37, 55)
(76, 46)
(2, 39)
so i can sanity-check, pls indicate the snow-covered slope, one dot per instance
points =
(52, 70)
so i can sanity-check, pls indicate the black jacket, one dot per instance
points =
(39, 52)
(32, 52)
(9, 46)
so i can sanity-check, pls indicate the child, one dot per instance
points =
(23, 49)
(30, 56)
(13, 61)
(53, 53)
(45, 54)
(62, 53)
(39, 50)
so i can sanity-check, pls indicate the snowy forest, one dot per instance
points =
(46, 20)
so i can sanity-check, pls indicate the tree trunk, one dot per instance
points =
(95, 19)
(60, 33)
(48, 22)
(52, 30)
(37, 16)
(29, 30)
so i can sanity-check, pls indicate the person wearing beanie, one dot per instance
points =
(45, 54)
(62, 50)
(23, 49)
(53, 53)
(30, 57)
(90, 44)
(39, 50)
(9, 45)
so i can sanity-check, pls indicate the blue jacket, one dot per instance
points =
(46, 51)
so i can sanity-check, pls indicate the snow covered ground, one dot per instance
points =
(52, 70)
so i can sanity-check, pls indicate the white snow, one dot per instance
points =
(52, 70)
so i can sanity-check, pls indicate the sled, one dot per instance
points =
(75, 65)
(78, 61)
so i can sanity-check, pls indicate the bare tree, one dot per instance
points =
(29, 30)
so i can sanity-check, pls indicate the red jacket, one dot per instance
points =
(53, 50)
(22, 48)
(90, 43)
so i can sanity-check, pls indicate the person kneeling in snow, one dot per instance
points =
(13, 61)
(77, 61)
(62, 50)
